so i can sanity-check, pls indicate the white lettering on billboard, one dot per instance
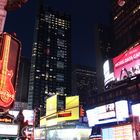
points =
(113, 112)
(127, 64)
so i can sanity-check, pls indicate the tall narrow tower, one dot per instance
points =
(50, 71)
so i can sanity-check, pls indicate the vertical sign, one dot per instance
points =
(9, 47)
(3, 14)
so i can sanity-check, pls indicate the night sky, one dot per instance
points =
(85, 15)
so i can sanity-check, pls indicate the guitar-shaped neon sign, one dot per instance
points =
(7, 92)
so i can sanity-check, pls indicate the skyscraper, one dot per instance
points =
(126, 22)
(50, 71)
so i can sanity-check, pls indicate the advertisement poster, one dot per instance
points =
(127, 64)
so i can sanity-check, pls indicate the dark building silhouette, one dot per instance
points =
(50, 71)
(23, 80)
(84, 84)
(103, 47)
(22, 84)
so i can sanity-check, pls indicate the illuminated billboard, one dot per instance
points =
(51, 105)
(120, 132)
(9, 129)
(69, 134)
(136, 110)
(113, 112)
(108, 72)
(28, 115)
(9, 47)
(72, 109)
(39, 133)
(127, 64)
(54, 116)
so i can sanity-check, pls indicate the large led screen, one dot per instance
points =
(113, 112)
(69, 134)
(127, 64)
(51, 105)
(136, 110)
(108, 72)
(9, 129)
(39, 133)
(54, 117)
(123, 132)
(28, 115)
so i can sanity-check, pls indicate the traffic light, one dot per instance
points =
(82, 111)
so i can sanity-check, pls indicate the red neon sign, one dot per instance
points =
(7, 92)
(65, 114)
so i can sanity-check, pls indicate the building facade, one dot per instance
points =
(50, 71)
(22, 84)
(125, 29)
(126, 22)
(103, 48)
(84, 84)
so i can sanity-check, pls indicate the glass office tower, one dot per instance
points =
(50, 71)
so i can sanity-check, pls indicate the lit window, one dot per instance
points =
(43, 75)
(60, 53)
(60, 64)
(38, 70)
(60, 89)
(60, 77)
(60, 42)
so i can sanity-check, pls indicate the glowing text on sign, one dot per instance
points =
(127, 64)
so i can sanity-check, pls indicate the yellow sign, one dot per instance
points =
(51, 105)
(5, 120)
(53, 117)
(72, 106)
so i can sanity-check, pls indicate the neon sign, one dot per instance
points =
(7, 92)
